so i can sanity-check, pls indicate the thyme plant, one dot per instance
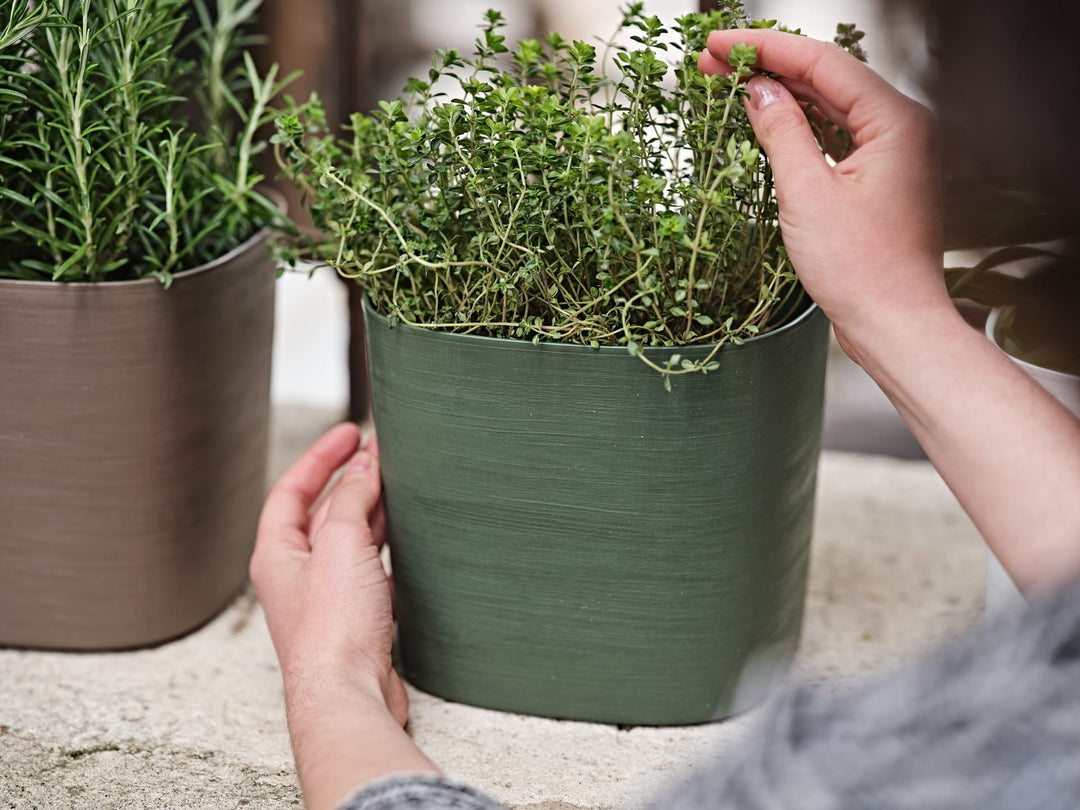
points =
(118, 158)
(550, 197)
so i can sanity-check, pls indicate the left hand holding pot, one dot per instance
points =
(318, 575)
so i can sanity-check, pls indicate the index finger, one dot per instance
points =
(288, 505)
(821, 72)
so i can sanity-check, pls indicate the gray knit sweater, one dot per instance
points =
(989, 723)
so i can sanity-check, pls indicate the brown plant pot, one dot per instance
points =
(133, 444)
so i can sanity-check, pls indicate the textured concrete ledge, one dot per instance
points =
(198, 723)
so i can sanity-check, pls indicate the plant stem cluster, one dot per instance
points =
(557, 193)
(119, 158)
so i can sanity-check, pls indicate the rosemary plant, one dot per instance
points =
(551, 197)
(118, 158)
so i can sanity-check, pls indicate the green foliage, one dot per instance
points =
(849, 37)
(118, 158)
(551, 198)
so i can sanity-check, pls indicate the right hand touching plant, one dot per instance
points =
(864, 234)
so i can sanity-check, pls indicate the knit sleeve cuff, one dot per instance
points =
(418, 793)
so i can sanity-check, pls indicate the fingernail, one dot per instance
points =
(763, 92)
(363, 460)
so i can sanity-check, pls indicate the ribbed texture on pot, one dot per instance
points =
(571, 540)
(133, 439)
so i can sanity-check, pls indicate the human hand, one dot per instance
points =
(317, 571)
(319, 577)
(864, 235)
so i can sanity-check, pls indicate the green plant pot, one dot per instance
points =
(571, 540)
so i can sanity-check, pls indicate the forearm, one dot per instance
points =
(345, 739)
(1009, 452)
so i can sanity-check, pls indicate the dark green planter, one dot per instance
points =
(571, 540)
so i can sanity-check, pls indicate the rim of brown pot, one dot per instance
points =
(274, 196)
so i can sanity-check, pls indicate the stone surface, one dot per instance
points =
(198, 723)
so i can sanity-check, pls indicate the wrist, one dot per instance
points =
(311, 682)
(887, 328)
(313, 709)
(343, 738)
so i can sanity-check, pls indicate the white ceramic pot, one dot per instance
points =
(1001, 592)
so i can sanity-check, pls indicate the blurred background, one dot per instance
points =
(354, 52)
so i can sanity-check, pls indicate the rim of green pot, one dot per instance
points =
(794, 323)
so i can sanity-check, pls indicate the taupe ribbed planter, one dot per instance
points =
(133, 440)
(571, 540)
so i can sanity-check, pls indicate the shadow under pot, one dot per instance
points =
(571, 540)
(134, 442)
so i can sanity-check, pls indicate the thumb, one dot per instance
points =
(352, 501)
(783, 132)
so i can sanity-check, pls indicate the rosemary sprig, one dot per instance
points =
(108, 168)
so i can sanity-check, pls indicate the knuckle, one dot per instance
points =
(277, 492)
(337, 528)
(256, 569)
(921, 122)
(780, 121)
